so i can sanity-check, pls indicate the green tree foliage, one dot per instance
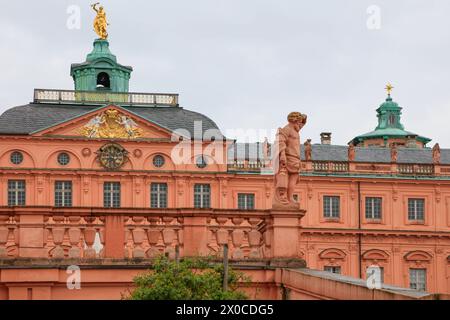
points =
(189, 279)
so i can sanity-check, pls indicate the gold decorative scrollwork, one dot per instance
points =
(111, 124)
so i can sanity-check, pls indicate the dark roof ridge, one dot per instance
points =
(33, 117)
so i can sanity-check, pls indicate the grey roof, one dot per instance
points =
(322, 152)
(445, 156)
(371, 154)
(406, 155)
(36, 116)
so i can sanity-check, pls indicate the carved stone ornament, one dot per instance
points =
(137, 153)
(86, 152)
(112, 156)
(111, 124)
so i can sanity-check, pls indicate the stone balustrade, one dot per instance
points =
(245, 165)
(148, 237)
(330, 166)
(243, 235)
(416, 169)
(349, 167)
(97, 233)
(97, 97)
(9, 236)
(74, 237)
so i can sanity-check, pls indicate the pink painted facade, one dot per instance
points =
(351, 242)
(64, 200)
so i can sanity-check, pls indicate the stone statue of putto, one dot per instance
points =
(287, 163)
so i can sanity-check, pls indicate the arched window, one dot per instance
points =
(103, 80)
(391, 119)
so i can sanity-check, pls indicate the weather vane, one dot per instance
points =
(100, 23)
(389, 88)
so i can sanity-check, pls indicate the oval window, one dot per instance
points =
(16, 157)
(63, 159)
(158, 161)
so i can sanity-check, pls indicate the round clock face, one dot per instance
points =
(112, 156)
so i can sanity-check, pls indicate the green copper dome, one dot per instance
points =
(100, 71)
(389, 114)
(389, 125)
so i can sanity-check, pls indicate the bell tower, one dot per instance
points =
(389, 113)
(100, 71)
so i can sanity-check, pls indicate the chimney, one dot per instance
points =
(325, 138)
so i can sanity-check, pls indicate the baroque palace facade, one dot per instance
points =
(383, 200)
(90, 174)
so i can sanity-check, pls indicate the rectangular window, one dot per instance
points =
(418, 279)
(332, 269)
(373, 208)
(158, 195)
(63, 193)
(246, 201)
(202, 196)
(111, 194)
(416, 209)
(16, 192)
(331, 206)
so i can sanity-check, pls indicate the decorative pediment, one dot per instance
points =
(110, 122)
(375, 254)
(418, 255)
(332, 254)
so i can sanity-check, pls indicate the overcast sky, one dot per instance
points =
(248, 63)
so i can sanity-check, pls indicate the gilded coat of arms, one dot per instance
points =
(111, 124)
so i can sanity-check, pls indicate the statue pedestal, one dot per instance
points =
(292, 206)
(285, 232)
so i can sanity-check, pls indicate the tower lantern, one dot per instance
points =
(100, 71)
(390, 130)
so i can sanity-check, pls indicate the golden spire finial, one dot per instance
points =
(389, 88)
(100, 22)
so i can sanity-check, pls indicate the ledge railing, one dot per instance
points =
(104, 97)
(347, 167)
(330, 166)
(247, 165)
(416, 169)
(90, 233)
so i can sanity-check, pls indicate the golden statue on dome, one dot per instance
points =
(100, 22)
